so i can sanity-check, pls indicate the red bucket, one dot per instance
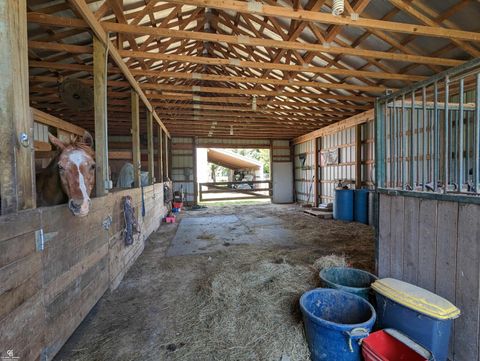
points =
(391, 345)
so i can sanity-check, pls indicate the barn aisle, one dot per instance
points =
(215, 288)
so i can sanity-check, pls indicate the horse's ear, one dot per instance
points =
(88, 139)
(56, 142)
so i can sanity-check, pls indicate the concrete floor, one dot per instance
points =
(139, 320)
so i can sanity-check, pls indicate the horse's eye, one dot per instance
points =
(92, 167)
(60, 167)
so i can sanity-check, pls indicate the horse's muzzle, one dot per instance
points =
(79, 209)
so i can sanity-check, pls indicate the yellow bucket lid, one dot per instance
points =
(416, 298)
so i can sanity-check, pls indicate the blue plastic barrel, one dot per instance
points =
(343, 204)
(361, 206)
(335, 321)
(350, 280)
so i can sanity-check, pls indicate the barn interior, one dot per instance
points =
(344, 95)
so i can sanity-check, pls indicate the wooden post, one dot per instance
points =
(169, 157)
(151, 151)
(319, 172)
(165, 156)
(160, 154)
(137, 165)
(358, 156)
(315, 179)
(101, 122)
(270, 193)
(17, 175)
(195, 180)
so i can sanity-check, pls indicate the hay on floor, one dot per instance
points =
(252, 314)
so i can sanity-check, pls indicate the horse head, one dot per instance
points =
(76, 168)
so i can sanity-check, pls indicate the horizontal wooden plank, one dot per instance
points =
(48, 119)
(13, 225)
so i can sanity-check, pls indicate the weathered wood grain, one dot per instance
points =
(446, 261)
(384, 244)
(100, 112)
(466, 344)
(411, 241)
(427, 244)
(17, 175)
(397, 236)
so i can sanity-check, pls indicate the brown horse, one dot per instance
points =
(70, 176)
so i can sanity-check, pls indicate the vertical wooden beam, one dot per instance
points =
(136, 139)
(195, 179)
(315, 179)
(166, 156)
(170, 157)
(100, 112)
(271, 160)
(151, 151)
(160, 154)
(319, 171)
(358, 156)
(17, 175)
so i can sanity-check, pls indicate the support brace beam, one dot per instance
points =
(82, 8)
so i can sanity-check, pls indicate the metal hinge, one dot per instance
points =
(41, 238)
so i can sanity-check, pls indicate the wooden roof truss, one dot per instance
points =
(269, 69)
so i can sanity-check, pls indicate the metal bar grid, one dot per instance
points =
(428, 135)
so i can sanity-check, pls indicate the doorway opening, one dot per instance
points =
(233, 174)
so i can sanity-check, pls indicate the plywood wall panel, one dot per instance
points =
(448, 263)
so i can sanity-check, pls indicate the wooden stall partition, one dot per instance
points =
(22, 321)
(434, 244)
(54, 267)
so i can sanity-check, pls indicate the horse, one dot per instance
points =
(70, 176)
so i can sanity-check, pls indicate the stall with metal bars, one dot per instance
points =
(428, 175)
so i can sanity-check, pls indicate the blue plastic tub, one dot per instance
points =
(421, 315)
(361, 206)
(350, 280)
(335, 323)
(343, 205)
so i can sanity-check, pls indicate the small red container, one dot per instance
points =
(381, 346)
(177, 204)
(170, 219)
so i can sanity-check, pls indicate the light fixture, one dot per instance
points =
(254, 103)
(338, 7)
(231, 130)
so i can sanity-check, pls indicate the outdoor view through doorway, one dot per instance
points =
(233, 174)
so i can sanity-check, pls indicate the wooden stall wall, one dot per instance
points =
(45, 294)
(435, 245)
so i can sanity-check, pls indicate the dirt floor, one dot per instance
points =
(219, 288)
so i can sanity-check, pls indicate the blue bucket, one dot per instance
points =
(343, 204)
(350, 280)
(361, 206)
(335, 323)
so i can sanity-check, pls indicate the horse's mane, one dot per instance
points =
(76, 143)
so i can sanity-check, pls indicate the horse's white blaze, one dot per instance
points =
(78, 157)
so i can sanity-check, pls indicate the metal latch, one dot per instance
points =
(107, 222)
